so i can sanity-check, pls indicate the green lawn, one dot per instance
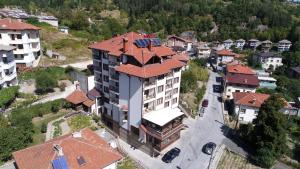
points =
(127, 163)
(79, 122)
(57, 73)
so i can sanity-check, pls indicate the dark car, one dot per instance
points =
(209, 148)
(170, 155)
(205, 103)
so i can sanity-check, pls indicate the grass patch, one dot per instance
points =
(79, 122)
(39, 137)
(68, 43)
(57, 73)
(127, 163)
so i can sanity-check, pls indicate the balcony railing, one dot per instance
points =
(168, 86)
(149, 96)
(114, 76)
(114, 100)
(98, 68)
(150, 83)
(112, 63)
(162, 135)
(114, 88)
(97, 57)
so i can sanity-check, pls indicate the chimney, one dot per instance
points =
(125, 45)
(58, 149)
(76, 134)
(150, 45)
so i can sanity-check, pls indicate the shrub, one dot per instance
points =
(96, 118)
(69, 69)
(8, 95)
(265, 158)
(45, 83)
(79, 122)
(44, 128)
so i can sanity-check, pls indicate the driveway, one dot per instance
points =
(208, 128)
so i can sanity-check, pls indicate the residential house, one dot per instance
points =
(225, 56)
(266, 45)
(179, 44)
(267, 82)
(253, 43)
(86, 102)
(139, 80)
(240, 83)
(240, 43)
(228, 43)
(238, 68)
(25, 38)
(294, 72)
(80, 150)
(284, 45)
(247, 105)
(64, 29)
(17, 14)
(203, 50)
(269, 60)
(8, 74)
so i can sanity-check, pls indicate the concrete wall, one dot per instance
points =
(136, 101)
(7, 80)
(86, 82)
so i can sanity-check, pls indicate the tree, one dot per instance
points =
(45, 83)
(188, 81)
(8, 95)
(269, 133)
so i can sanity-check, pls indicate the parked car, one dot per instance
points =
(170, 155)
(209, 148)
(205, 103)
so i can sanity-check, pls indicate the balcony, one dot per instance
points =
(114, 88)
(114, 76)
(149, 96)
(97, 57)
(114, 100)
(148, 109)
(112, 63)
(98, 68)
(161, 135)
(169, 86)
(149, 83)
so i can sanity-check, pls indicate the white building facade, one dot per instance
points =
(25, 38)
(136, 80)
(8, 74)
(269, 60)
(284, 45)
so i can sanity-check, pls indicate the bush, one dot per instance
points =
(96, 118)
(8, 95)
(265, 158)
(69, 69)
(188, 81)
(44, 128)
(45, 83)
(79, 122)
(200, 93)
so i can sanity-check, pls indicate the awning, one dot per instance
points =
(163, 116)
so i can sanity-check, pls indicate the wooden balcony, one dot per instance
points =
(164, 134)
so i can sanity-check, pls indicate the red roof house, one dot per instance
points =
(11, 24)
(81, 150)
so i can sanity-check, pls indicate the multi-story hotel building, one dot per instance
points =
(25, 38)
(8, 75)
(139, 81)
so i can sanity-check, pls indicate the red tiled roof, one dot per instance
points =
(181, 57)
(242, 79)
(249, 99)
(150, 70)
(95, 151)
(115, 47)
(225, 52)
(179, 38)
(10, 24)
(239, 69)
(89, 103)
(77, 97)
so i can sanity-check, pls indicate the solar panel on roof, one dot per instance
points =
(60, 163)
(142, 43)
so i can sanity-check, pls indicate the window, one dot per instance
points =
(160, 89)
(271, 60)
(174, 101)
(256, 112)
(20, 47)
(242, 111)
(159, 101)
(176, 80)
(19, 36)
(125, 113)
(105, 55)
(160, 77)
(105, 78)
(175, 91)
(229, 90)
(105, 67)
(106, 90)
(278, 61)
(177, 70)
(12, 37)
(167, 104)
(0, 36)
(237, 91)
